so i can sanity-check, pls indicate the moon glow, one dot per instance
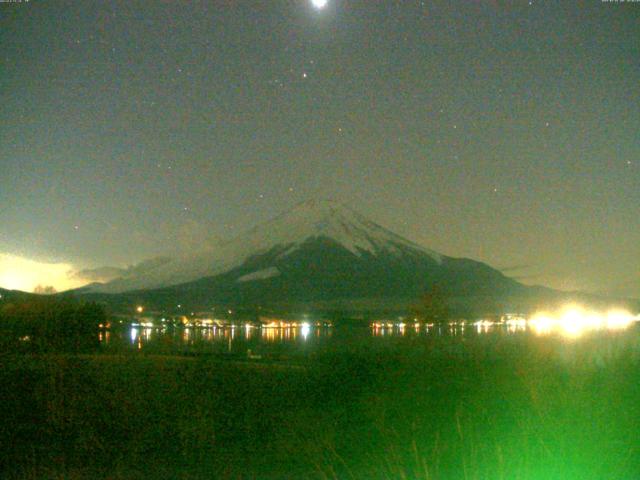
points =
(319, 4)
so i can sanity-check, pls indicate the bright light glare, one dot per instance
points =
(319, 4)
(483, 325)
(20, 273)
(573, 321)
(619, 320)
(542, 323)
(304, 330)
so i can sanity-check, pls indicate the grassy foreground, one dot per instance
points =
(498, 410)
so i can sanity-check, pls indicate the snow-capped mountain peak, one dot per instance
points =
(333, 220)
(286, 233)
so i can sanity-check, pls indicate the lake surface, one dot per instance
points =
(261, 343)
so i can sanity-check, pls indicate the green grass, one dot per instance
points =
(490, 410)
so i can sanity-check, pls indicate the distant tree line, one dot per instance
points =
(432, 306)
(42, 323)
(44, 290)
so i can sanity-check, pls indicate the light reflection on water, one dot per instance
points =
(593, 349)
(568, 330)
(379, 329)
(191, 335)
(237, 338)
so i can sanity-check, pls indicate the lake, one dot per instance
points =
(308, 340)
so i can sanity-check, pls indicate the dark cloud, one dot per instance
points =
(100, 274)
(106, 274)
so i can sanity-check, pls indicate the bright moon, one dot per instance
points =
(319, 3)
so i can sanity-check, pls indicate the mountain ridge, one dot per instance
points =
(309, 219)
(319, 252)
(320, 255)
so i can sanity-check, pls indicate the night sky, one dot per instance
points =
(507, 132)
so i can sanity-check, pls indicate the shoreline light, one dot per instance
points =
(573, 320)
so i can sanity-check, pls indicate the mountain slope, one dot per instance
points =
(320, 269)
(320, 251)
(287, 232)
(7, 296)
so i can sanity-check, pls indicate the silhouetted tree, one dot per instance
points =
(51, 324)
(433, 306)
(44, 290)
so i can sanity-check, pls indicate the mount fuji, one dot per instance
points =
(320, 251)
